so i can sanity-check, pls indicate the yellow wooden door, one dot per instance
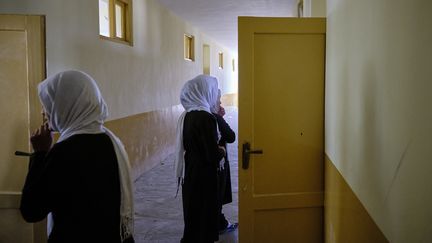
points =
(281, 114)
(22, 66)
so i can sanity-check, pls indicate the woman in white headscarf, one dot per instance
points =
(198, 158)
(83, 181)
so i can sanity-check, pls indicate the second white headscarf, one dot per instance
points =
(198, 94)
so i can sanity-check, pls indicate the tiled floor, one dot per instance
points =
(158, 213)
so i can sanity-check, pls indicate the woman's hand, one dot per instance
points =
(223, 150)
(41, 139)
(221, 111)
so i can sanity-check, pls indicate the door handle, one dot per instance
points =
(246, 151)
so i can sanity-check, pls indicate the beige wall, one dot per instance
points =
(148, 137)
(378, 115)
(133, 80)
(140, 82)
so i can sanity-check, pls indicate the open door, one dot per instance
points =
(281, 129)
(22, 67)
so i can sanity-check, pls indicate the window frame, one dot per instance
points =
(127, 37)
(189, 47)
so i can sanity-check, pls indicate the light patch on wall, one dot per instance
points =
(206, 59)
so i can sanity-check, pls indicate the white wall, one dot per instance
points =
(314, 8)
(145, 77)
(378, 109)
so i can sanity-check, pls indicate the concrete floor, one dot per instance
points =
(158, 214)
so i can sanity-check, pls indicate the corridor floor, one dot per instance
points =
(158, 213)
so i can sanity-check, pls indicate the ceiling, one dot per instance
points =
(218, 18)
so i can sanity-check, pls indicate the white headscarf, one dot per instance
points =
(198, 94)
(74, 105)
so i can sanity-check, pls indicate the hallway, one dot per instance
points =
(376, 115)
(158, 214)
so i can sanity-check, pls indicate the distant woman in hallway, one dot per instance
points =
(83, 181)
(197, 159)
(227, 135)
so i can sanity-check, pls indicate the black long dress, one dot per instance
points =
(200, 187)
(224, 174)
(78, 181)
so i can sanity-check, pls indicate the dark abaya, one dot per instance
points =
(200, 187)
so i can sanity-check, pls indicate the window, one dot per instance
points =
(120, 15)
(115, 20)
(104, 25)
(189, 52)
(220, 60)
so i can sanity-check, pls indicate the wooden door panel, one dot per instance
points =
(22, 67)
(294, 142)
(14, 111)
(281, 111)
(287, 225)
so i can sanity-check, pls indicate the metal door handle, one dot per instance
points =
(246, 151)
